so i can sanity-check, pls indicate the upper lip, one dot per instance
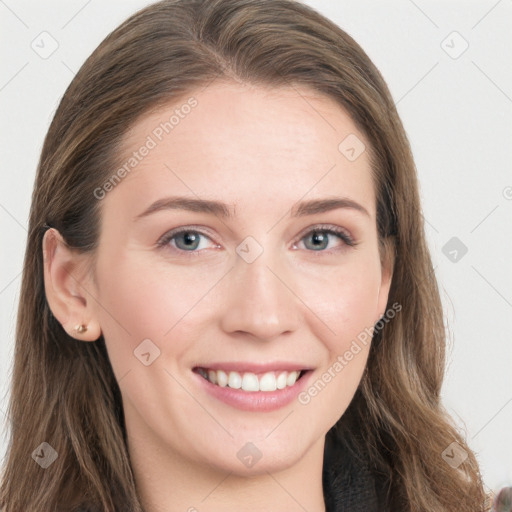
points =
(242, 367)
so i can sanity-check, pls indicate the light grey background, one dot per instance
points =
(456, 108)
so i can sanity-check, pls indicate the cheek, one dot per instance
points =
(142, 300)
(344, 299)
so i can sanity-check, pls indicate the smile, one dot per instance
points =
(249, 381)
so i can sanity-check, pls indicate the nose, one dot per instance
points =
(260, 299)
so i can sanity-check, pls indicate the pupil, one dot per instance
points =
(318, 237)
(189, 238)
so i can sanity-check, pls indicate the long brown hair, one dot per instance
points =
(64, 392)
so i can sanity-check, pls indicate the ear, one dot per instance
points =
(387, 265)
(68, 287)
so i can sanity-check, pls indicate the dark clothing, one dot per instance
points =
(349, 486)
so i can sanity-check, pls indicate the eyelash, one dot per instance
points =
(333, 230)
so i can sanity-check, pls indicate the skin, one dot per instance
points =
(261, 151)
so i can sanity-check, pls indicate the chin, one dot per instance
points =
(247, 455)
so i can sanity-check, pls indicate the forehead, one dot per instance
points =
(238, 142)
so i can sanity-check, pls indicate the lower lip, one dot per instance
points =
(263, 401)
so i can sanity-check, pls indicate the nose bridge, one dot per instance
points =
(260, 302)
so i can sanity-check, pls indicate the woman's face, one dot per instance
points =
(249, 293)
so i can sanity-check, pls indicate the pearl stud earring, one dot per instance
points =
(80, 328)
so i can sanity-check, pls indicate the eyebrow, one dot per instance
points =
(224, 210)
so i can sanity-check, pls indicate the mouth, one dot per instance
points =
(253, 387)
(269, 381)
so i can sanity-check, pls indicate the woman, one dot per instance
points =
(182, 344)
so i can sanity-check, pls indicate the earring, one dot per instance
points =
(80, 328)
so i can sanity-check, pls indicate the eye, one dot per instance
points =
(185, 239)
(188, 239)
(321, 235)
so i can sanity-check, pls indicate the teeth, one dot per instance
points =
(234, 380)
(249, 381)
(281, 380)
(292, 378)
(268, 382)
(222, 378)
